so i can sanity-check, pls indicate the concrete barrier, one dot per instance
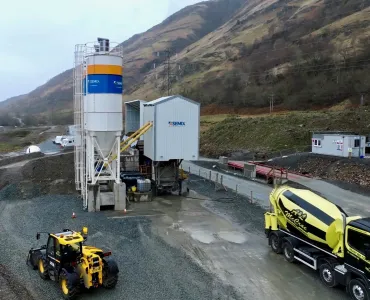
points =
(250, 170)
(223, 160)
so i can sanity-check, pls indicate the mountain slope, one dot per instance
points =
(140, 53)
(231, 54)
(301, 53)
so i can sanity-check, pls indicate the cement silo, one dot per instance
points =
(98, 115)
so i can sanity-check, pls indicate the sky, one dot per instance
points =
(38, 37)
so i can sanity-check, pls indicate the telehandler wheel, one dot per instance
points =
(288, 252)
(357, 290)
(42, 268)
(69, 285)
(110, 274)
(327, 275)
(275, 243)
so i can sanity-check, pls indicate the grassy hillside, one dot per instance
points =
(301, 53)
(223, 134)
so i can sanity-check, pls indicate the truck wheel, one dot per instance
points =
(288, 252)
(327, 275)
(275, 243)
(43, 272)
(69, 285)
(357, 290)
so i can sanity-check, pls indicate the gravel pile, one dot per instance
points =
(50, 168)
(15, 159)
(48, 175)
(353, 171)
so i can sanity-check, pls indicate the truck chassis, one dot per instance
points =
(332, 269)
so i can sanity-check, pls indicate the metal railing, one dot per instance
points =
(217, 179)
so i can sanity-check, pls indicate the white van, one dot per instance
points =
(58, 139)
(68, 142)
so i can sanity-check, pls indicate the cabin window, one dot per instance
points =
(316, 142)
(357, 143)
(57, 249)
(357, 240)
(50, 246)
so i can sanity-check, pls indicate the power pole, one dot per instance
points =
(167, 71)
(272, 103)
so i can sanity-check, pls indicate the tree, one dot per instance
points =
(7, 120)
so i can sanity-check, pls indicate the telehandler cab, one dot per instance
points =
(65, 259)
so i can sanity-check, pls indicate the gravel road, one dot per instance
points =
(171, 248)
(149, 267)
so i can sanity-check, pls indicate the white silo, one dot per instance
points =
(98, 113)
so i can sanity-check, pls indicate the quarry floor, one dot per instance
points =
(171, 248)
(209, 245)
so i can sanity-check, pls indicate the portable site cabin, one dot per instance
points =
(176, 127)
(175, 132)
(338, 144)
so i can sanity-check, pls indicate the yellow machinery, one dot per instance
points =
(132, 139)
(65, 259)
(310, 229)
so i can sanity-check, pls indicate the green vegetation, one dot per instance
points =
(278, 132)
(7, 120)
(21, 133)
(6, 147)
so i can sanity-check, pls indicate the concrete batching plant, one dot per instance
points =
(163, 132)
(98, 90)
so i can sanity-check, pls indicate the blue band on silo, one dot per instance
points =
(103, 84)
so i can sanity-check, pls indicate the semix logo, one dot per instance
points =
(117, 82)
(176, 123)
(93, 81)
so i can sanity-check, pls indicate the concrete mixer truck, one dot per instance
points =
(309, 229)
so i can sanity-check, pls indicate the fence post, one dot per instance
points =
(189, 170)
(236, 191)
(221, 179)
(199, 172)
(251, 196)
(210, 175)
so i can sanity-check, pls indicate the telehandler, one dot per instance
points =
(65, 259)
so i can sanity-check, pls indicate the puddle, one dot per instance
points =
(233, 237)
(168, 202)
(204, 237)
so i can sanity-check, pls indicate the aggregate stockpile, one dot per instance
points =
(310, 229)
